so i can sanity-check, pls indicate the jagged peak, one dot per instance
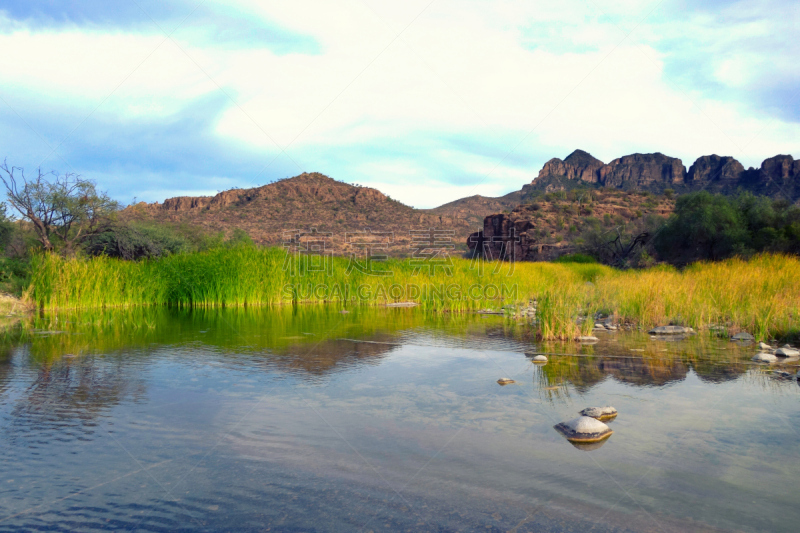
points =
(582, 158)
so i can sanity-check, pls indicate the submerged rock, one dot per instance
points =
(764, 357)
(587, 338)
(743, 336)
(539, 358)
(787, 352)
(781, 374)
(505, 381)
(671, 330)
(600, 413)
(583, 429)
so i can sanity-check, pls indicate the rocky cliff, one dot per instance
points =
(643, 172)
(778, 176)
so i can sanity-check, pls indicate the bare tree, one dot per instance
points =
(62, 208)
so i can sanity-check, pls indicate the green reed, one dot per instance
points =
(760, 295)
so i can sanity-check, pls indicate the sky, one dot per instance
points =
(425, 100)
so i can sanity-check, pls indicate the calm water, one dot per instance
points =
(380, 420)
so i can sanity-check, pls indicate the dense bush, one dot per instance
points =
(136, 241)
(712, 227)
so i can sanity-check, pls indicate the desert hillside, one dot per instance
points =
(314, 201)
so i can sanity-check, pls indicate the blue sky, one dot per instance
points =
(426, 100)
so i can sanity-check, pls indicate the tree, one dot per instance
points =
(625, 245)
(62, 208)
(703, 227)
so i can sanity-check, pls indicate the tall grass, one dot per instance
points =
(761, 295)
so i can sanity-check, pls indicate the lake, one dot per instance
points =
(309, 419)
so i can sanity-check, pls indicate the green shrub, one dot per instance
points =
(714, 227)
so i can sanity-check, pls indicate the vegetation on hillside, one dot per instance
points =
(637, 230)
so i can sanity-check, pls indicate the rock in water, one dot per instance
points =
(505, 381)
(743, 336)
(671, 330)
(764, 357)
(588, 446)
(600, 413)
(587, 338)
(787, 352)
(764, 346)
(583, 429)
(539, 359)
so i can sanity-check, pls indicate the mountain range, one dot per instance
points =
(270, 214)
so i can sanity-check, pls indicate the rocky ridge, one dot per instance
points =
(777, 176)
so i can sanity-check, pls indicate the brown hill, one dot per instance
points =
(270, 213)
(473, 209)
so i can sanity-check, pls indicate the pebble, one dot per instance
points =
(505, 381)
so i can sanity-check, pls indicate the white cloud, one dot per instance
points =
(462, 68)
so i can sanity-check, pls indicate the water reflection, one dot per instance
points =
(646, 363)
(245, 419)
(69, 396)
(314, 341)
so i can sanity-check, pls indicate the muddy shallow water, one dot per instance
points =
(306, 419)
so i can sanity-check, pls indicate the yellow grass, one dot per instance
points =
(761, 295)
